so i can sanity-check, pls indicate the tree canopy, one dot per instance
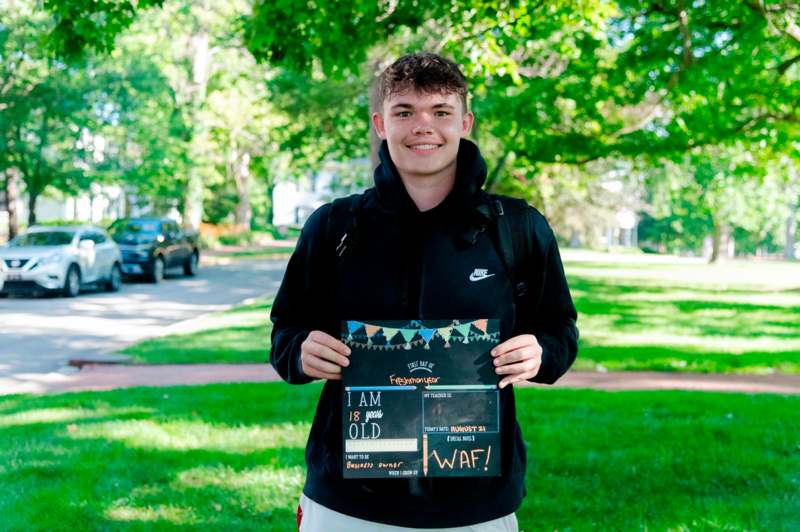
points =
(567, 93)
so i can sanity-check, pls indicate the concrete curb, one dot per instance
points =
(98, 359)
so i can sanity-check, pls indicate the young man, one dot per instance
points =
(413, 253)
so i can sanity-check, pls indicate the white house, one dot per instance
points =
(293, 202)
(100, 202)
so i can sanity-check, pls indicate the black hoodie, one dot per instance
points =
(412, 265)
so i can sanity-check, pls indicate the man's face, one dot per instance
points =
(423, 132)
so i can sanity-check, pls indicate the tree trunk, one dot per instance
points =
(12, 196)
(32, 197)
(728, 242)
(128, 198)
(269, 211)
(495, 176)
(716, 240)
(575, 239)
(201, 58)
(241, 174)
(791, 233)
(793, 193)
(244, 213)
(193, 201)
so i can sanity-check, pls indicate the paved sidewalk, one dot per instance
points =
(106, 377)
(38, 336)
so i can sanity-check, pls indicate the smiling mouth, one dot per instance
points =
(424, 148)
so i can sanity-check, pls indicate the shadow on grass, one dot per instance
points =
(635, 327)
(212, 457)
(656, 285)
(659, 358)
(205, 457)
(700, 318)
(654, 460)
(101, 484)
(225, 345)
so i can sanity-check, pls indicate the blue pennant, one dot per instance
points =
(427, 334)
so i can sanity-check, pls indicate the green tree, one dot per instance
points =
(242, 125)
(585, 78)
(44, 115)
(555, 83)
(221, 98)
(67, 125)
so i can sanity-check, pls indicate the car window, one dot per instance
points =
(98, 237)
(135, 227)
(43, 238)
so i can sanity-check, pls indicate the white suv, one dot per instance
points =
(60, 259)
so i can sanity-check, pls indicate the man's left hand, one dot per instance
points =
(517, 359)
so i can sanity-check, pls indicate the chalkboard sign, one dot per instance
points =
(420, 399)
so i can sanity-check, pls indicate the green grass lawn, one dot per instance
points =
(735, 317)
(231, 457)
(254, 252)
(241, 335)
(264, 253)
(730, 318)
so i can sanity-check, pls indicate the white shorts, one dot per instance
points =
(318, 518)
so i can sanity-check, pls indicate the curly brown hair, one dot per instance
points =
(425, 72)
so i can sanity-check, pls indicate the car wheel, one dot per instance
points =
(190, 266)
(115, 279)
(157, 270)
(72, 282)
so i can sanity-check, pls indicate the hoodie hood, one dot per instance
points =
(470, 176)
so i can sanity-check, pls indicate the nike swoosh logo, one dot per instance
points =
(473, 277)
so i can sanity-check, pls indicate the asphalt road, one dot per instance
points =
(39, 335)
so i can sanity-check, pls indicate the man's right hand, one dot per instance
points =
(323, 356)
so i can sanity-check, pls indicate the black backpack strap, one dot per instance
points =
(513, 235)
(343, 223)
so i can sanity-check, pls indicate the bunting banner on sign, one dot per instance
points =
(364, 335)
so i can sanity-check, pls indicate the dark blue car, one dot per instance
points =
(151, 246)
